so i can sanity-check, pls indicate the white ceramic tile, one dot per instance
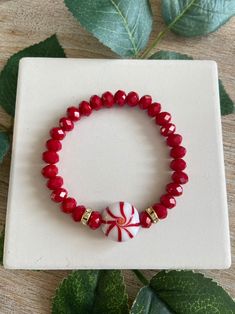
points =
(117, 154)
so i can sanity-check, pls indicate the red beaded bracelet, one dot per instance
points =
(120, 221)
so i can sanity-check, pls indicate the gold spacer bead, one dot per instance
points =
(152, 214)
(86, 216)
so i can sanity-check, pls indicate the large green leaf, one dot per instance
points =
(147, 302)
(226, 103)
(8, 77)
(186, 292)
(4, 144)
(196, 17)
(124, 26)
(93, 292)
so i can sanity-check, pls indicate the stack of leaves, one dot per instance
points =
(104, 292)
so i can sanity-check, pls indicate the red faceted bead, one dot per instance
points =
(180, 177)
(108, 99)
(95, 220)
(145, 220)
(85, 108)
(73, 113)
(167, 129)
(174, 189)
(54, 145)
(55, 183)
(120, 98)
(78, 212)
(178, 164)
(96, 102)
(168, 200)
(174, 140)
(145, 102)
(57, 134)
(160, 210)
(66, 124)
(178, 152)
(163, 118)
(49, 171)
(132, 99)
(50, 157)
(154, 109)
(68, 205)
(59, 195)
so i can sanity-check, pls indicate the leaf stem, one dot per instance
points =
(160, 35)
(148, 51)
(141, 277)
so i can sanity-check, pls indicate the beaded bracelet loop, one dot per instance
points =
(120, 221)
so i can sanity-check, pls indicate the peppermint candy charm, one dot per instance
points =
(120, 221)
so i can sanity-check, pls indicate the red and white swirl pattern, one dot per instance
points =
(120, 221)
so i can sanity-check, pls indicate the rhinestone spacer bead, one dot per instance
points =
(152, 214)
(86, 216)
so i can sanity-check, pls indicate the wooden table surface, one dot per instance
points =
(23, 23)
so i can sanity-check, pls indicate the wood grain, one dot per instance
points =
(23, 23)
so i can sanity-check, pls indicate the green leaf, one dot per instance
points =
(124, 26)
(91, 291)
(1, 245)
(147, 302)
(226, 104)
(8, 77)
(170, 55)
(186, 292)
(196, 17)
(4, 144)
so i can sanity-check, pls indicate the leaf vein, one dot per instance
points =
(125, 22)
